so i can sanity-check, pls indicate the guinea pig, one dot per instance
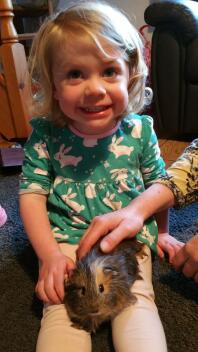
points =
(99, 287)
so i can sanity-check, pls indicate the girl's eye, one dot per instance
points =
(74, 74)
(110, 72)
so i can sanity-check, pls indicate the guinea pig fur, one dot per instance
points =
(99, 287)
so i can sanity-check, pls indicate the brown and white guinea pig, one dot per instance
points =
(99, 287)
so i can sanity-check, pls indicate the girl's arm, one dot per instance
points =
(166, 243)
(53, 264)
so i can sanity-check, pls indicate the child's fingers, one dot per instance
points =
(166, 248)
(46, 289)
(50, 289)
(59, 278)
(160, 252)
(40, 292)
(59, 286)
(172, 251)
(70, 265)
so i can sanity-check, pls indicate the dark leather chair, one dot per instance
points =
(174, 67)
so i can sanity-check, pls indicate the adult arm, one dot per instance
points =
(182, 176)
(125, 223)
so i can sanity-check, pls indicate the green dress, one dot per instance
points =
(84, 175)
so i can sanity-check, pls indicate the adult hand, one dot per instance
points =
(112, 228)
(187, 259)
(52, 271)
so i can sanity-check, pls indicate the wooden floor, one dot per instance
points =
(171, 149)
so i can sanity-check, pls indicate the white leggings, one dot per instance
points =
(136, 329)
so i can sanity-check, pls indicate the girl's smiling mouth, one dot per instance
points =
(96, 110)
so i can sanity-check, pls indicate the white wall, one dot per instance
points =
(134, 8)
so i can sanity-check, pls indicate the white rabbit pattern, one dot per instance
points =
(120, 176)
(90, 191)
(41, 149)
(60, 179)
(65, 159)
(108, 200)
(137, 129)
(39, 171)
(117, 149)
(77, 220)
(146, 234)
(146, 170)
(67, 198)
(35, 187)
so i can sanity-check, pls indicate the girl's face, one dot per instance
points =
(91, 88)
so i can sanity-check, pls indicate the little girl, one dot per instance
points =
(89, 156)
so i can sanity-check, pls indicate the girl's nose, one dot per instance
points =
(95, 87)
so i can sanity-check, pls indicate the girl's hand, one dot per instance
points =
(112, 228)
(168, 244)
(52, 271)
(187, 259)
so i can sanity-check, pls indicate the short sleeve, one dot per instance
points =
(36, 170)
(182, 176)
(152, 164)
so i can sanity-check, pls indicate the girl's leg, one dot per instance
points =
(138, 328)
(56, 333)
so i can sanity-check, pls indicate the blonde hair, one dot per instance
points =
(98, 20)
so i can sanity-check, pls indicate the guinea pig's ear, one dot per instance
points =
(110, 270)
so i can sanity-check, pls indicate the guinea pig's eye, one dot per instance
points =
(82, 291)
(101, 288)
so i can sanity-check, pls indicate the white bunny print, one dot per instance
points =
(90, 191)
(36, 187)
(60, 179)
(108, 200)
(41, 149)
(117, 149)
(39, 171)
(120, 176)
(65, 159)
(67, 198)
(146, 234)
(137, 129)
